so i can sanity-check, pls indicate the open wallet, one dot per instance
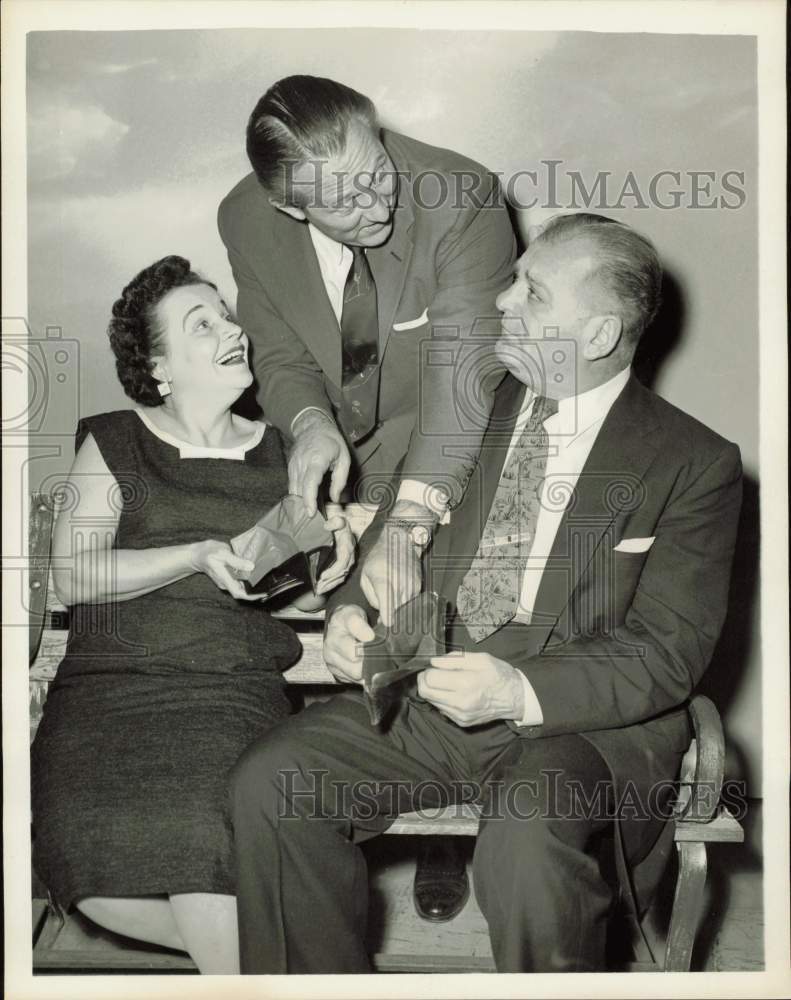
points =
(290, 549)
(394, 658)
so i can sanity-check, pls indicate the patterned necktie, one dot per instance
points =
(360, 348)
(489, 593)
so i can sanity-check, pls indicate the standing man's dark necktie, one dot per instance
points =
(360, 347)
(489, 593)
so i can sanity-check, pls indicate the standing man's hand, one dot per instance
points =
(392, 573)
(318, 446)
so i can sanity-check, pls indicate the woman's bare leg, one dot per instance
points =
(201, 923)
(145, 918)
(207, 925)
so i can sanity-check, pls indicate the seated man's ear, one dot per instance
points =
(292, 210)
(602, 336)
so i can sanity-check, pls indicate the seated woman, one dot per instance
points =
(170, 672)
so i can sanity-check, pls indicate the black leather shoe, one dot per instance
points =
(441, 885)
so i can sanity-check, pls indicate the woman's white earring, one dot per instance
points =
(164, 388)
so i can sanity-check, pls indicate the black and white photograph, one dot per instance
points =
(395, 499)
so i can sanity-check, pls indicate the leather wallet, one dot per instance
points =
(289, 547)
(394, 658)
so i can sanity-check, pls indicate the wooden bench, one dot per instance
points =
(73, 944)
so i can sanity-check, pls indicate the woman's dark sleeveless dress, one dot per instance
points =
(157, 696)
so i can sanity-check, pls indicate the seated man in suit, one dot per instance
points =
(589, 566)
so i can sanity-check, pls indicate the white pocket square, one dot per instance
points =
(410, 324)
(635, 544)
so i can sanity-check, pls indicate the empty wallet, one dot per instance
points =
(394, 658)
(288, 547)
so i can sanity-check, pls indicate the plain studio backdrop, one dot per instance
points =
(135, 136)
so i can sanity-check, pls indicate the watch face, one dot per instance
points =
(420, 534)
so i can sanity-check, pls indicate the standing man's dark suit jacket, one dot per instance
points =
(619, 639)
(448, 257)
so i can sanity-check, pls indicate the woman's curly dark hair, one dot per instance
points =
(135, 331)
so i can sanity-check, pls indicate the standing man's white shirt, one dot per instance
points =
(335, 261)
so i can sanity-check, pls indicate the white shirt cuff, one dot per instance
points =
(432, 497)
(305, 409)
(533, 715)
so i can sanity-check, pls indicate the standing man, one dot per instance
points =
(589, 565)
(353, 248)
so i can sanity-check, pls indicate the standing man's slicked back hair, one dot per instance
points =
(301, 118)
(629, 266)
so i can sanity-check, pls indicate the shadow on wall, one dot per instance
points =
(664, 334)
(732, 656)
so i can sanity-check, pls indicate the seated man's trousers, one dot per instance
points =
(319, 783)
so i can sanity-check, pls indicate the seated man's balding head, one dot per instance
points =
(626, 273)
(583, 292)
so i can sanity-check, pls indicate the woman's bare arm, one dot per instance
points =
(87, 570)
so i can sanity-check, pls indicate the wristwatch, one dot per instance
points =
(418, 532)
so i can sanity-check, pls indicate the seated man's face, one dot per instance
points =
(545, 312)
(351, 196)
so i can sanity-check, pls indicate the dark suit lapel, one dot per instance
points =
(611, 480)
(390, 262)
(307, 308)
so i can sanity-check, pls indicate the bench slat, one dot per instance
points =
(723, 829)
(458, 820)
(463, 820)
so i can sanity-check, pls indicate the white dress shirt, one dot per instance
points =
(572, 432)
(335, 260)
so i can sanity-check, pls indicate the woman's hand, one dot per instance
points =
(344, 551)
(223, 567)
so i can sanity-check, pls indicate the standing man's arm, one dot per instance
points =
(475, 262)
(291, 384)
(459, 374)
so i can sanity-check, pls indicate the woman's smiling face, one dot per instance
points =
(205, 350)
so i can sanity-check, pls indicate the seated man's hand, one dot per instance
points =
(472, 688)
(318, 446)
(346, 631)
(392, 572)
(344, 552)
